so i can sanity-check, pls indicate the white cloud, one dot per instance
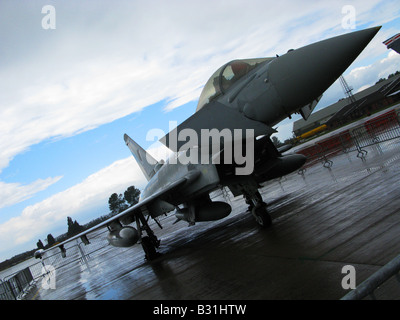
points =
(12, 193)
(132, 55)
(368, 75)
(91, 194)
(36, 220)
(285, 131)
(108, 60)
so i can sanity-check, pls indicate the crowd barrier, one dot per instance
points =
(368, 287)
(372, 132)
(16, 285)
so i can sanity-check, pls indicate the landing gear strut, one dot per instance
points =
(258, 209)
(150, 242)
(262, 216)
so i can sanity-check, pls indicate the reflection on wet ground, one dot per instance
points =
(323, 220)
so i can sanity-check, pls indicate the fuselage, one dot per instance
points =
(266, 91)
(203, 178)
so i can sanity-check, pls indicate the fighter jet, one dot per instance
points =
(243, 96)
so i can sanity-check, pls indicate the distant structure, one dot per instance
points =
(376, 97)
(347, 90)
(393, 43)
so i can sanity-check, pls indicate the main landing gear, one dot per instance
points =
(150, 242)
(258, 209)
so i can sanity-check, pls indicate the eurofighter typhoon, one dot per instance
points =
(239, 104)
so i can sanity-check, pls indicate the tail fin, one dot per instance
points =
(145, 161)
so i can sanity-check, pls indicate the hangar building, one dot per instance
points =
(376, 97)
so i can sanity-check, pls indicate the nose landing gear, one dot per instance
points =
(258, 209)
(262, 216)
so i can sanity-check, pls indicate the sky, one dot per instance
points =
(75, 78)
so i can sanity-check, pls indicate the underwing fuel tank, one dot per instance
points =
(281, 166)
(124, 237)
(208, 212)
(38, 254)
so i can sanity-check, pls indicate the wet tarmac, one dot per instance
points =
(322, 221)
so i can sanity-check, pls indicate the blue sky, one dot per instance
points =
(69, 94)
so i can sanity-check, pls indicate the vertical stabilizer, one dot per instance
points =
(146, 162)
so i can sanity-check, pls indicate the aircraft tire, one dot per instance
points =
(262, 216)
(149, 249)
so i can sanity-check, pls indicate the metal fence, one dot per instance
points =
(368, 287)
(15, 286)
(373, 132)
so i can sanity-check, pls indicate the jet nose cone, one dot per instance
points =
(302, 75)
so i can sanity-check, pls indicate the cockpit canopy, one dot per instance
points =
(225, 77)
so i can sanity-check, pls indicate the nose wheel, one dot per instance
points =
(149, 249)
(262, 216)
(258, 209)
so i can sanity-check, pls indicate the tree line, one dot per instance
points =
(116, 203)
(389, 76)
